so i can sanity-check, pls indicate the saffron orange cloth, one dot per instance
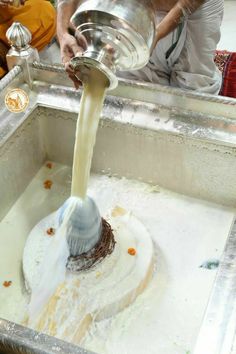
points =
(39, 16)
(3, 64)
(2, 72)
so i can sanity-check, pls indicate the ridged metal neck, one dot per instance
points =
(18, 36)
(82, 64)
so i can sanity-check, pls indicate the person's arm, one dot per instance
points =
(65, 9)
(70, 45)
(174, 17)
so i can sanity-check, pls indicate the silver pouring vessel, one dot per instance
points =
(119, 36)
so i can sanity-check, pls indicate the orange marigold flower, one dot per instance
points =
(47, 184)
(51, 231)
(49, 165)
(132, 251)
(7, 283)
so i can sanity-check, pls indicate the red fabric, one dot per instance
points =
(226, 61)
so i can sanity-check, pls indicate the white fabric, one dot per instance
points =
(191, 64)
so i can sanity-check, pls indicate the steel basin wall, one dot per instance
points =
(180, 141)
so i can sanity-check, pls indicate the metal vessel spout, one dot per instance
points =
(118, 35)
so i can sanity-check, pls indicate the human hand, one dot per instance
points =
(70, 47)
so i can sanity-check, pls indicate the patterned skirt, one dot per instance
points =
(226, 62)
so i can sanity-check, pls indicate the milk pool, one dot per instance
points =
(186, 232)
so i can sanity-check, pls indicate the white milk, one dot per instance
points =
(86, 130)
(54, 266)
(166, 318)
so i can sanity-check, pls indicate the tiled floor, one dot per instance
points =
(228, 29)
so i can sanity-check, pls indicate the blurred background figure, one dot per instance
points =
(187, 35)
(39, 16)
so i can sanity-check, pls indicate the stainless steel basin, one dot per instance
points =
(181, 141)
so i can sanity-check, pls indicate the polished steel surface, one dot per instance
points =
(11, 75)
(21, 53)
(199, 130)
(119, 35)
(205, 104)
(218, 330)
(16, 339)
(18, 35)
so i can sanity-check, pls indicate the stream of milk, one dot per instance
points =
(54, 265)
(186, 232)
(86, 130)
